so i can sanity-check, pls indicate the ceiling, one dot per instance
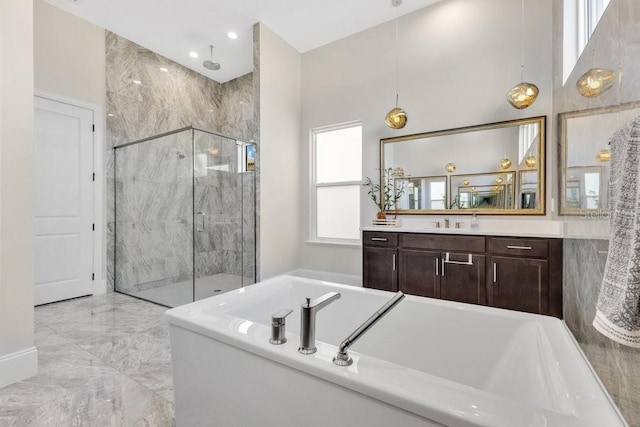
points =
(173, 28)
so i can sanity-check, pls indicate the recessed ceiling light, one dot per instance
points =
(193, 54)
(232, 35)
(137, 82)
(164, 70)
(110, 115)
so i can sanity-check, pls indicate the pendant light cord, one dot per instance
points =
(522, 42)
(397, 55)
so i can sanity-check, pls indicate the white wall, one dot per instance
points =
(69, 55)
(18, 357)
(458, 59)
(279, 151)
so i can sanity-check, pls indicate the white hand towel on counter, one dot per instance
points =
(618, 308)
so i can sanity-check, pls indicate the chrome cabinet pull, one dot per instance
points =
(200, 215)
(394, 262)
(442, 260)
(495, 274)
(379, 239)
(524, 248)
(447, 261)
(436, 264)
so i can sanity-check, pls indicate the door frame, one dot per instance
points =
(99, 190)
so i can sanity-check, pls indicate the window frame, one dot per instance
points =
(314, 185)
(580, 20)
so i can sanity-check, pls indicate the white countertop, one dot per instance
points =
(463, 231)
(489, 227)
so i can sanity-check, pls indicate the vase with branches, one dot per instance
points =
(386, 195)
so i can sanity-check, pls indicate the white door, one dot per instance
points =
(63, 201)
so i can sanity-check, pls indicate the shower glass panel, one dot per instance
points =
(185, 217)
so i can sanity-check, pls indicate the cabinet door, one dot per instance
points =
(379, 268)
(463, 279)
(418, 273)
(520, 284)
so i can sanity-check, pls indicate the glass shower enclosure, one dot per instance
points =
(184, 216)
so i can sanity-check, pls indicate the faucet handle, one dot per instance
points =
(278, 317)
(278, 325)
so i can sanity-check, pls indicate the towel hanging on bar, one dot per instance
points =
(618, 308)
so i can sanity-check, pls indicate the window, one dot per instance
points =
(336, 176)
(580, 20)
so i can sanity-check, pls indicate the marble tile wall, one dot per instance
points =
(143, 101)
(617, 366)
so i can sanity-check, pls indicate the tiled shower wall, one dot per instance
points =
(617, 366)
(614, 43)
(143, 101)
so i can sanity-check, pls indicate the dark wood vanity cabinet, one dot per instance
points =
(526, 275)
(521, 274)
(447, 267)
(380, 261)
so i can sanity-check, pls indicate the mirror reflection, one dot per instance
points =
(492, 169)
(585, 156)
(482, 191)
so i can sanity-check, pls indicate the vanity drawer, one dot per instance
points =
(443, 243)
(380, 239)
(538, 248)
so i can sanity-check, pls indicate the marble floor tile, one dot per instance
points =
(102, 361)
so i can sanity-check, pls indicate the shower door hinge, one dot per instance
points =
(92, 276)
(93, 128)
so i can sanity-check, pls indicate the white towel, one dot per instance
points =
(618, 308)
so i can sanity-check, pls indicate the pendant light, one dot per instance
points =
(450, 167)
(523, 94)
(505, 163)
(531, 161)
(604, 155)
(595, 82)
(397, 117)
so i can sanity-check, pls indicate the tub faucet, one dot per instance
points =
(308, 321)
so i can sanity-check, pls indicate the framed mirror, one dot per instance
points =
(493, 169)
(585, 156)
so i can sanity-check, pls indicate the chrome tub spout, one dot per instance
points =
(308, 321)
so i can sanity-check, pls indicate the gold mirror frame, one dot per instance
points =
(564, 208)
(540, 167)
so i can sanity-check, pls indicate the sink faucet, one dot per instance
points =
(308, 321)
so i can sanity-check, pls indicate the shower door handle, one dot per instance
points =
(198, 216)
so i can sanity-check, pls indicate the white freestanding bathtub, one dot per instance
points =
(427, 363)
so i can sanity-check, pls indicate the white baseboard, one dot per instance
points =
(18, 366)
(99, 287)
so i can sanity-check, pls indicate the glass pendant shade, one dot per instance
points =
(450, 167)
(530, 162)
(522, 95)
(603, 155)
(396, 118)
(505, 163)
(595, 82)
